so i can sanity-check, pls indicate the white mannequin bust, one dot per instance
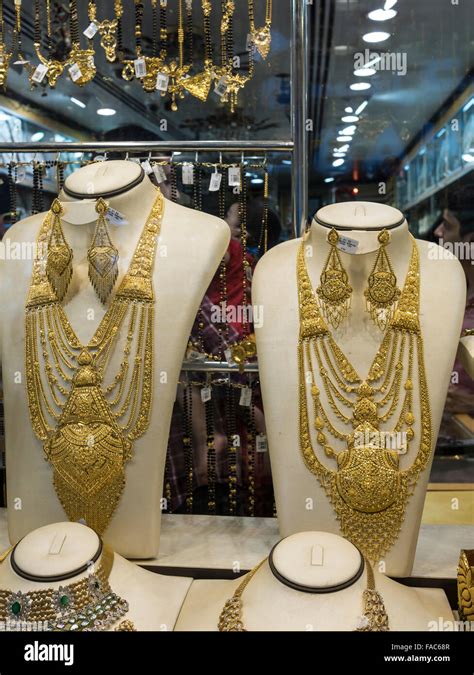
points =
(320, 562)
(190, 247)
(60, 549)
(301, 502)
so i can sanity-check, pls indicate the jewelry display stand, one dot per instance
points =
(321, 563)
(301, 502)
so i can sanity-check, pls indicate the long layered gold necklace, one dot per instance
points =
(86, 418)
(367, 489)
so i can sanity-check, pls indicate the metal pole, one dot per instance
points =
(217, 366)
(172, 146)
(299, 111)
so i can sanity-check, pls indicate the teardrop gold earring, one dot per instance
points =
(382, 293)
(59, 257)
(102, 256)
(334, 291)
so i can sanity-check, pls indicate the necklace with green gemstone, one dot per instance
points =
(86, 605)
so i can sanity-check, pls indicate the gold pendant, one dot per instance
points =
(84, 60)
(466, 585)
(108, 38)
(5, 58)
(198, 85)
(262, 40)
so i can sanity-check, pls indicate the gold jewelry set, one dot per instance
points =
(86, 417)
(373, 619)
(84, 606)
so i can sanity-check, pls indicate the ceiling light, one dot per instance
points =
(329, 180)
(344, 148)
(389, 4)
(348, 109)
(361, 108)
(360, 86)
(376, 36)
(342, 139)
(350, 118)
(338, 162)
(78, 102)
(256, 181)
(382, 14)
(106, 112)
(339, 154)
(286, 161)
(468, 158)
(37, 136)
(364, 72)
(468, 105)
(372, 62)
(348, 131)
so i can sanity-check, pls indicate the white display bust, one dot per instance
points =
(190, 247)
(319, 561)
(62, 548)
(301, 502)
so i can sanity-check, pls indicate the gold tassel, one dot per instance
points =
(59, 261)
(102, 256)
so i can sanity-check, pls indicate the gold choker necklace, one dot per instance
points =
(368, 491)
(373, 619)
(86, 419)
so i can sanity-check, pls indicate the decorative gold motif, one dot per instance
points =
(84, 60)
(5, 58)
(87, 421)
(59, 261)
(334, 292)
(262, 37)
(382, 292)
(466, 585)
(102, 256)
(368, 490)
(107, 29)
(374, 617)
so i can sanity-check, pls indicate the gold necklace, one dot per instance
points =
(262, 37)
(87, 421)
(373, 619)
(107, 28)
(368, 491)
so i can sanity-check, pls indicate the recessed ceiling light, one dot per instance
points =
(382, 14)
(338, 162)
(348, 131)
(106, 112)
(256, 181)
(350, 118)
(376, 36)
(339, 154)
(344, 148)
(37, 136)
(364, 72)
(286, 161)
(360, 86)
(348, 109)
(78, 102)
(342, 139)
(329, 180)
(362, 107)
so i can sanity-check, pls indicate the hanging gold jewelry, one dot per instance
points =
(102, 256)
(262, 37)
(382, 292)
(334, 293)
(59, 260)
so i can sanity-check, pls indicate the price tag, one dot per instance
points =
(20, 174)
(91, 30)
(146, 166)
(75, 72)
(40, 72)
(115, 217)
(215, 183)
(347, 245)
(245, 396)
(236, 441)
(206, 394)
(250, 45)
(162, 82)
(228, 356)
(261, 444)
(159, 173)
(187, 174)
(140, 67)
(221, 87)
(234, 176)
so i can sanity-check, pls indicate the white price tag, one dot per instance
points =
(347, 245)
(228, 356)
(234, 176)
(187, 174)
(261, 444)
(147, 168)
(75, 72)
(40, 72)
(115, 217)
(159, 173)
(20, 174)
(215, 183)
(245, 396)
(162, 82)
(140, 67)
(236, 441)
(221, 86)
(206, 394)
(91, 30)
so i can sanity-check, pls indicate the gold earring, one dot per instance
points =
(382, 292)
(59, 261)
(334, 292)
(102, 256)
